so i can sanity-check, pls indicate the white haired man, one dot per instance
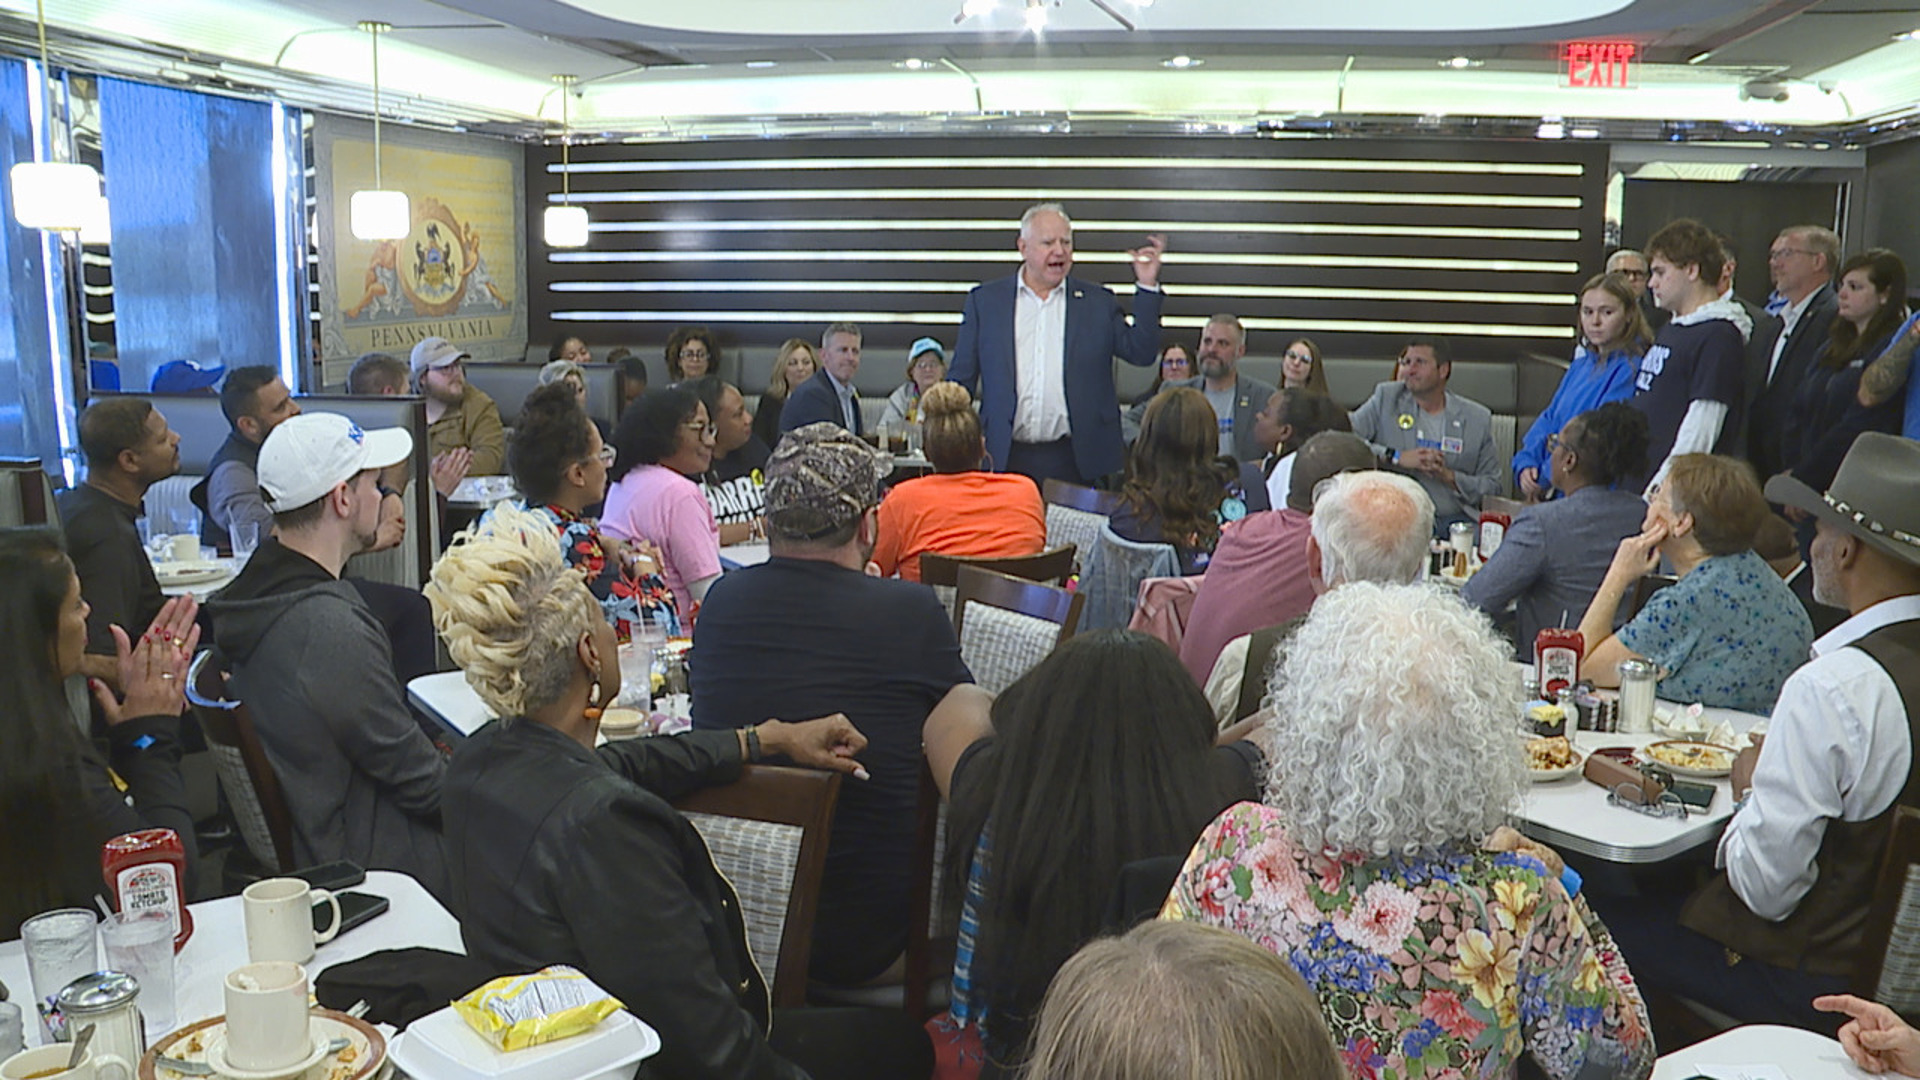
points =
(1366, 526)
(1036, 350)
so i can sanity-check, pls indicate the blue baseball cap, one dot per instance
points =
(185, 377)
(925, 344)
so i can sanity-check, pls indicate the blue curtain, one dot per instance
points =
(28, 416)
(197, 264)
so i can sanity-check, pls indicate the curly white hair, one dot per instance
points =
(1395, 712)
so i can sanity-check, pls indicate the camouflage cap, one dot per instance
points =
(820, 478)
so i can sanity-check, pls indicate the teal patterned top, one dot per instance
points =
(1728, 634)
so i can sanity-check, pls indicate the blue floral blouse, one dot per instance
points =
(1728, 634)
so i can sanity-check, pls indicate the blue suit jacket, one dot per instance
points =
(1097, 331)
(816, 400)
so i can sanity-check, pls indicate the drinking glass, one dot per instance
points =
(246, 537)
(60, 948)
(141, 945)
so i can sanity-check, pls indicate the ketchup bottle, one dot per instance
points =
(146, 871)
(1557, 655)
(1493, 529)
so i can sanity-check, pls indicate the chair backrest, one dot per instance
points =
(1644, 589)
(1091, 500)
(932, 929)
(1006, 625)
(768, 833)
(1890, 952)
(26, 493)
(1051, 567)
(1111, 580)
(252, 787)
(1500, 504)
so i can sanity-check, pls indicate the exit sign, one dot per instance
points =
(1599, 65)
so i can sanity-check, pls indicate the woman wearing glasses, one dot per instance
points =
(691, 353)
(559, 464)
(664, 443)
(1301, 366)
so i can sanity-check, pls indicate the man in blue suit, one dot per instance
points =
(829, 395)
(1040, 345)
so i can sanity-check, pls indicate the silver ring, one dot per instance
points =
(166, 674)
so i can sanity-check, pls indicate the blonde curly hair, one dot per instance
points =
(510, 610)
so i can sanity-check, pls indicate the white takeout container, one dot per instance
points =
(440, 1046)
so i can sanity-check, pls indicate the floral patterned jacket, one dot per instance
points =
(623, 598)
(1444, 965)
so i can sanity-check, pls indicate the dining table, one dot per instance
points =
(219, 945)
(1760, 1052)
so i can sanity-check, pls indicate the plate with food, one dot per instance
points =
(362, 1056)
(188, 573)
(1686, 757)
(1551, 759)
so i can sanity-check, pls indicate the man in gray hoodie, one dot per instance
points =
(362, 781)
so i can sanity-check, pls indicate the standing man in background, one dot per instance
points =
(1801, 263)
(1039, 348)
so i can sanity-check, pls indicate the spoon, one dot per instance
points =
(200, 1068)
(80, 1047)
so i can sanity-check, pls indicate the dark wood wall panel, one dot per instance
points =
(1357, 243)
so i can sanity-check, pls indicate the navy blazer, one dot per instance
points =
(1097, 331)
(815, 400)
(1772, 403)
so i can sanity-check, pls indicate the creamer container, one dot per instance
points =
(1638, 679)
(146, 871)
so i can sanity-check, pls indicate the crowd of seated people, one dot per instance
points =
(1303, 754)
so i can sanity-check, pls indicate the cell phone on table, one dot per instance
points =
(355, 908)
(332, 876)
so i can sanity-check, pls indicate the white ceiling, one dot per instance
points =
(650, 67)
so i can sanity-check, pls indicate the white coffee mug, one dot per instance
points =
(279, 916)
(267, 1020)
(37, 1061)
(184, 549)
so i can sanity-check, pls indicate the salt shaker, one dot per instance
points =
(1637, 679)
(109, 1001)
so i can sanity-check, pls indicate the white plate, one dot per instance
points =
(442, 1046)
(1705, 772)
(201, 1042)
(1541, 776)
(185, 573)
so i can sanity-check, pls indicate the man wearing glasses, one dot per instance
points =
(458, 415)
(1632, 265)
(1801, 263)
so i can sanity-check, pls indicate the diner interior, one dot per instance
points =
(959, 538)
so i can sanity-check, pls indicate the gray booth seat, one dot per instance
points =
(509, 384)
(203, 427)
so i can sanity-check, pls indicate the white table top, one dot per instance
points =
(481, 492)
(750, 554)
(219, 944)
(1795, 1054)
(447, 698)
(1572, 814)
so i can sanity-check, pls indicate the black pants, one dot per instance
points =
(1046, 461)
(852, 1044)
(1667, 956)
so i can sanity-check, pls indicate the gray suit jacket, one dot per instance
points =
(1249, 397)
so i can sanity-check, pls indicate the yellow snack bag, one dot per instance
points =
(517, 1011)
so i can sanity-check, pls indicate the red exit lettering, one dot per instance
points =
(1601, 65)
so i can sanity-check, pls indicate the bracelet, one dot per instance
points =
(753, 743)
(386, 491)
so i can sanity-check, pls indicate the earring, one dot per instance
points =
(593, 710)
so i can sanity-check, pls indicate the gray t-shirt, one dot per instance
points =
(1222, 402)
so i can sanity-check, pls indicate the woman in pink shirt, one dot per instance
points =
(662, 440)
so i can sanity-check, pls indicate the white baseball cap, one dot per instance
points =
(435, 352)
(308, 455)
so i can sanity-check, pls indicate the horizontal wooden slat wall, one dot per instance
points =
(1358, 243)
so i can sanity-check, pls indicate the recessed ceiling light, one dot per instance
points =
(1036, 15)
(763, 63)
(1461, 63)
(1550, 130)
(1181, 61)
(912, 63)
(1699, 57)
(1907, 35)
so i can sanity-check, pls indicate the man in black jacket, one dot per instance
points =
(1801, 261)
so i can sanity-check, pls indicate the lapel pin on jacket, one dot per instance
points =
(1077, 294)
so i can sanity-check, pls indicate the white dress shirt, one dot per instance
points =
(1280, 482)
(1040, 364)
(1838, 747)
(1789, 318)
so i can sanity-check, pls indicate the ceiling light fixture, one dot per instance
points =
(1907, 35)
(912, 63)
(376, 213)
(1461, 63)
(1181, 62)
(1699, 57)
(57, 196)
(566, 224)
(757, 64)
(1036, 15)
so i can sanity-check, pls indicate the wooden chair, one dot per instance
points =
(768, 833)
(1051, 567)
(1074, 516)
(1889, 970)
(253, 788)
(26, 493)
(1073, 496)
(1007, 625)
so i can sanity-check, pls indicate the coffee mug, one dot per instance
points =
(183, 549)
(279, 915)
(267, 1020)
(50, 1062)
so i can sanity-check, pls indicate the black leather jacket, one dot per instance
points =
(564, 855)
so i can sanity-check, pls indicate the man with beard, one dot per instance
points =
(361, 780)
(1786, 918)
(1236, 399)
(458, 415)
(808, 634)
(129, 449)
